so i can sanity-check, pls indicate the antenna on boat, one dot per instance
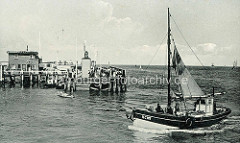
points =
(169, 109)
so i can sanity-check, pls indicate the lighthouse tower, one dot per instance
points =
(86, 63)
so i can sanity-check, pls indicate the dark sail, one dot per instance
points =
(188, 85)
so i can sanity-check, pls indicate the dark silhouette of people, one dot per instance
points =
(159, 109)
(169, 110)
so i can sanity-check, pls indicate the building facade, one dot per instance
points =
(23, 60)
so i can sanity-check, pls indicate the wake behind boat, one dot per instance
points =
(65, 95)
(192, 107)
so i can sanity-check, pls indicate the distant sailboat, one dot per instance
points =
(234, 64)
(203, 114)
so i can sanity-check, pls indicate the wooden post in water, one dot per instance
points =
(21, 75)
(1, 75)
(4, 78)
(120, 80)
(46, 79)
(31, 78)
(111, 80)
(124, 80)
(38, 78)
(116, 83)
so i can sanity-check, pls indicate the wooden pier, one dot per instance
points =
(116, 81)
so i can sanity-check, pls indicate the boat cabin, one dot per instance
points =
(205, 105)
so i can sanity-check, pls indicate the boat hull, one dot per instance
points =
(183, 122)
(98, 87)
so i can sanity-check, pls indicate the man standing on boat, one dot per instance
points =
(159, 109)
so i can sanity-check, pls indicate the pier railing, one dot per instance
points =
(19, 72)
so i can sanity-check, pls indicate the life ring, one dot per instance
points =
(188, 122)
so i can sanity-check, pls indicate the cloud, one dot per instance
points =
(101, 10)
(206, 48)
(208, 53)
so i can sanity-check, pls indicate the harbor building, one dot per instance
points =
(23, 60)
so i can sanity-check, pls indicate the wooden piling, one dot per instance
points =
(22, 78)
(117, 84)
(1, 75)
(31, 79)
(111, 80)
(124, 80)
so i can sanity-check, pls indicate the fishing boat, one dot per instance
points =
(188, 108)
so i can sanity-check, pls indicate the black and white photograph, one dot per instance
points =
(119, 71)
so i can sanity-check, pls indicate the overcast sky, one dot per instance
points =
(122, 31)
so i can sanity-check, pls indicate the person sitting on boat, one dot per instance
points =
(169, 110)
(159, 109)
(150, 108)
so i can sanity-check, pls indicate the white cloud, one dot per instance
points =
(206, 48)
(101, 9)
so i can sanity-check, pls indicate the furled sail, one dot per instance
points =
(188, 85)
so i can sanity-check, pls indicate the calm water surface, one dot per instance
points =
(39, 115)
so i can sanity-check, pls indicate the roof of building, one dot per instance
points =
(48, 62)
(23, 52)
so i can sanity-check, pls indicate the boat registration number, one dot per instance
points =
(146, 117)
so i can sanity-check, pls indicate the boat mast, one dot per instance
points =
(169, 54)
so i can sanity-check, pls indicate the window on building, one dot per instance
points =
(24, 67)
(19, 66)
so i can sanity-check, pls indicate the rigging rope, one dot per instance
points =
(156, 52)
(186, 40)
